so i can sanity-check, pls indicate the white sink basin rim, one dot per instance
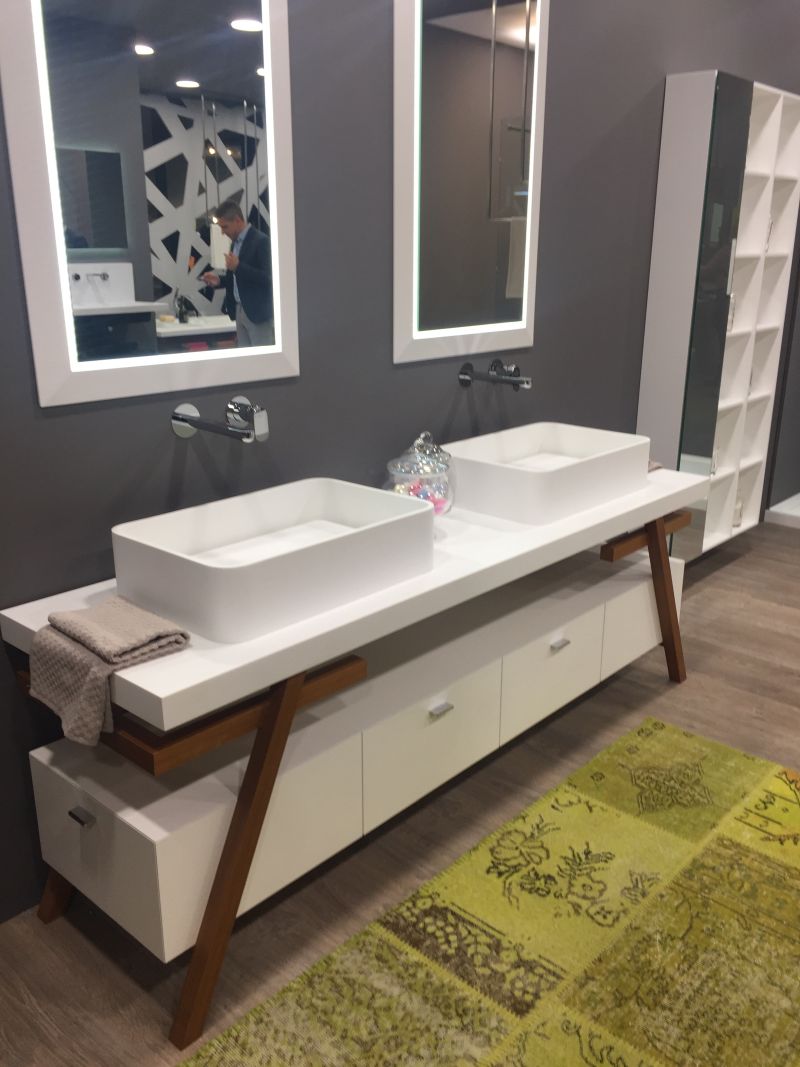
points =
(237, 568)
(546, 471)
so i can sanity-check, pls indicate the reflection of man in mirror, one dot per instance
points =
(247, 280)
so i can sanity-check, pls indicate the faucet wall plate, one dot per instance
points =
(182, 429)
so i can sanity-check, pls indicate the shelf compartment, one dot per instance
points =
(745, 292)
(774, 287)
(719, 512)
(788, 158)
(748, 497)
(762, 141)
(783, 215)
(727, 441)
(754, 214)
(757, 423)
(766, 358)
(736, 364)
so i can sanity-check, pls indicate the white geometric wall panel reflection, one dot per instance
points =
(190, 171)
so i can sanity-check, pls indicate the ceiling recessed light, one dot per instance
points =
(212, 150)
(261, 72)
(229, 151)
(247, 25)
(143, 50)
(187, 83)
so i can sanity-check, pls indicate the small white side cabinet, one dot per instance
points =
(723, 246)
(441, 695)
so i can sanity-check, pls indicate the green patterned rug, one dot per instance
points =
(645, 913)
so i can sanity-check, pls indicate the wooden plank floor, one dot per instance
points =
(81, 992)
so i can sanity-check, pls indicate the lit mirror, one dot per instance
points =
(153, 187)
(469, 100)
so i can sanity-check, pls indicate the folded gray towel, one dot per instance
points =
(73, 659)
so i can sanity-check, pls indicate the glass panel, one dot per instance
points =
(712, 302)
(708, 435)
(476, 90)
(161, 147)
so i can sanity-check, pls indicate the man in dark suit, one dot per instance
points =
(248, 279)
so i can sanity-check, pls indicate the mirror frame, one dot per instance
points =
(410, 343)
(60, 377)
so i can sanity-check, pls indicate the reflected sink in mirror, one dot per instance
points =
(238, 568)
(546, 471)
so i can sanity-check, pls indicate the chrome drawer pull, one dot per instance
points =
(559, 643)
(439, 711)
(83, 817)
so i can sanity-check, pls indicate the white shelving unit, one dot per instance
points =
(720, 382)
(759, 290)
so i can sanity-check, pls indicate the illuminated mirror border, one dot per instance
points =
(410, 343)
(60, 378)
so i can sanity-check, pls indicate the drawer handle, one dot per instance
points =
(439, 711)
(559, 644)
(83, 817)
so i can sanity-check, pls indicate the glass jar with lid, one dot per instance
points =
(423, 471)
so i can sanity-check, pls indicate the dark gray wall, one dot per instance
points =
(69, 474)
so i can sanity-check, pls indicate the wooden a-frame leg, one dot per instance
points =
(665, 599)
(234, 864)
(55, 898)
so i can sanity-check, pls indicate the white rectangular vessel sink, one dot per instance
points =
(546, 471)
(237, 568)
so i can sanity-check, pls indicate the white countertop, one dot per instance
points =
(197, 324)
(473, 554)
(132, 307)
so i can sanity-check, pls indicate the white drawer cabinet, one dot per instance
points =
(549, 671)
(441, 695)
(104, 856)
(149, 849)
(422, 746)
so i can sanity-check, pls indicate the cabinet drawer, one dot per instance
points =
(632, 627)
(149, 856)
(547, 673)
(106, 858)
(421, 747)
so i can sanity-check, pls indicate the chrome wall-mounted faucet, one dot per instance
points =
(499, 373)
(244, 421)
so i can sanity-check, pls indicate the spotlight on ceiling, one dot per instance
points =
(261, 72)
(247, 25)
(142, 49)
(187, 83)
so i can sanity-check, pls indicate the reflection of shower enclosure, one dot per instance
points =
(509, 139)
(194, 162)
(509, 189)
(474, 161)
